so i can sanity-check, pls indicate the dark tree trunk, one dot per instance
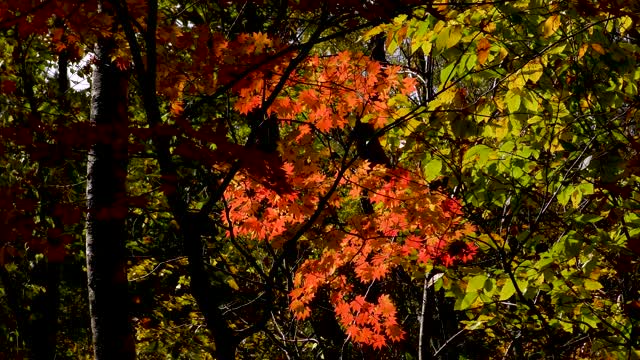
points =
(206, 295)
(44, 329)
(107, 209)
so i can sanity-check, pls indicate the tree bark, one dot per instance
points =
(206, 295)
(107, 209)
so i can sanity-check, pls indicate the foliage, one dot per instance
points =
(534, 123)
(294, 194)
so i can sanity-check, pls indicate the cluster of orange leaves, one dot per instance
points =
(409, 227)
(195, 60)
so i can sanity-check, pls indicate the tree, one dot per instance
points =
(107, 208)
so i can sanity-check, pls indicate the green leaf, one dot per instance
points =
(476, 283)
(545, 260)
(564, 195)
(578, 192)
(467, 300)
(512, 98)
(419, 38)
(588, 317)
(530, 103)
(588, 218)
(446, 73)
(478, 155)
(467, 63)
(508, 147)
(431, 170)
(489, 287)
(523, 284)
(507, 290)
(592, 285)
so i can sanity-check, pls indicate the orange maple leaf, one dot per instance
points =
(176, 107)
(261, 41)
(324, 124)
(378, 341)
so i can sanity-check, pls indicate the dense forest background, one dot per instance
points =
(319, 179)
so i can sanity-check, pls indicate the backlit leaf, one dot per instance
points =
(476, 283)
(507, 290)
(483, 47)
(551, 25)
(431, 169)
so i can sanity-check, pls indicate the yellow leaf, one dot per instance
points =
(490, 27)
(551, 25)
(499, 103)
(516, 81)
(483, 50)
(576, 198)
(582, 50)
(598, 48)
(555, 145)
(532, 71)
(448, 37)
(626, 24)
(502, 128)
(439, 26)
(426, 47)
(592, 285)
(584, 104)
(455, 34)
(397, 38)
(503, 53)
(373, 32)
(444, 98)
(232, 284)
(513, 99)
(400, 19)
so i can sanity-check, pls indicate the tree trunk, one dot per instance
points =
(45, 328)
(107, 209)
(206, 295)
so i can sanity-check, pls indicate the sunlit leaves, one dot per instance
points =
(325, 96)
(551, 25)
(448, 37)
(400, 229)
(529, 165)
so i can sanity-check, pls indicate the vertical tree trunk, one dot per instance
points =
(205, 294)
(107, 209)
(45, 329)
